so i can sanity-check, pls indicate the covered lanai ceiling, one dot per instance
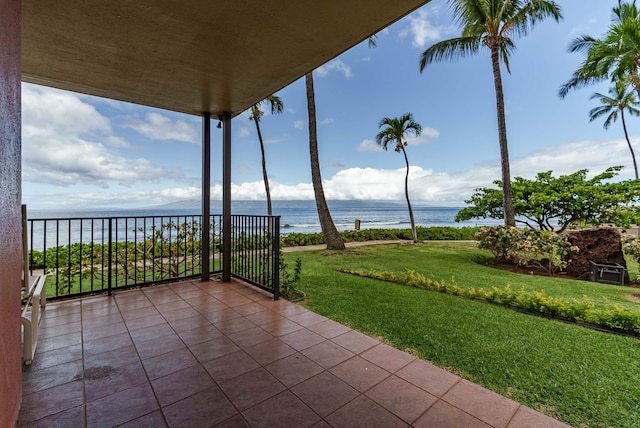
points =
(192, 56)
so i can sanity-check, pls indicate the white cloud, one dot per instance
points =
(65, 143)
(422, 29)
(326, 121)
(159, 127)
(299, 124)
(336, 65)
(369, 146)
(242, 131)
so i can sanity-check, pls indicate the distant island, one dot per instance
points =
(286, 204)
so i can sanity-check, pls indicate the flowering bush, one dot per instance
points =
(528, 247)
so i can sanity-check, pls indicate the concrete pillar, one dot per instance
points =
(206, 195)
(10, 213)
(226, 197)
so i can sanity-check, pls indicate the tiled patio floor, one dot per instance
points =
(196, 354)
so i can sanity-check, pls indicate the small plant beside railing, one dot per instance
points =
(288, 281)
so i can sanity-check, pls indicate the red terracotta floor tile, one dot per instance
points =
(425, 375)
(200, 334)
(329, 329)
(249, 308)
(250, 336)
(282, 411)
(327, 354)
(221, 315)
(363, 412)
(190, 323)
(51, 401)
(159, 346)
(150, 420)
(180, 314)
(116, 358)
(324, 393)
(230, 366)
(57, 342)
(294, 369)
(485, 405)
(302, 339)
(105, 380)
(401, 398)
(168, 363)
(133, 314)
(214, 348)
(307, 319)
(130, 404)
(51, 321)
(264, 317)
(98, 332)
(109, 343)
(203, 409)
(181, 384)
(529, 418)
(269, 351)
(236, 421)
(234, 325)
(38, 380)
(360, 373)
(61, 330)
(103, 321)
(281, 327)
(444, 415)
(73, 417)
(355, 342)
(146, 321)
(387, 357)
(152, 332)
(56, 357)
(251, 388)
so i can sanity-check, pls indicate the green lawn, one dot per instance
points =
(575, 374)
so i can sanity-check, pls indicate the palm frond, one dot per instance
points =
(450, 49)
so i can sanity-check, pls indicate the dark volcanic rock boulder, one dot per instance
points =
(596, 244)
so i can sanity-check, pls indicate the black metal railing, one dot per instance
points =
(90, 255)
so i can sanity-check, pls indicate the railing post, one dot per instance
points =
(110, 251)
(275, 232)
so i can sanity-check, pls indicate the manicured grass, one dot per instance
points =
(575, 374)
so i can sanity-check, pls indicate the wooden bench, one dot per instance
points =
(36, 299)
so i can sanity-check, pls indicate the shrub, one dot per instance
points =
(612, 316)
(543, 249)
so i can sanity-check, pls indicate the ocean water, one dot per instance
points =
(295, 218)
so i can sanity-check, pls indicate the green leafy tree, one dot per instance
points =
(567, 200)
(276, 106)
(492, 23)
(615, 56)
(394, 131)
(621, 99)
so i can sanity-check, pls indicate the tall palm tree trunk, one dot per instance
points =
(329, 231)
(626, 135)
(264, 169)
(507, 195)
(406, 195)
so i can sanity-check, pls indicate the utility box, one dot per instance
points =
(607, 274)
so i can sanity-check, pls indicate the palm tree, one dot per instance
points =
(394, 132)
(331, 236)
(621, 99)
(491, 23)
(276, 105)
(615, 56)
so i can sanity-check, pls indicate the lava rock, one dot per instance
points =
(597, 244)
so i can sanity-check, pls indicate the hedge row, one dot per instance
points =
(614, 317)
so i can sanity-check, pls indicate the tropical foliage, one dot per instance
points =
(276, 106)
(615, 56)
(493, 23)
(394, 131)
(548, 202)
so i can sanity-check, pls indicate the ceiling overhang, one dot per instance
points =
(193, 56)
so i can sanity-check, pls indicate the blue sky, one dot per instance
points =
(86, 152)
